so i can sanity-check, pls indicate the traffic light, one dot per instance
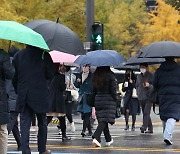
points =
(97, 36)
(151, 4)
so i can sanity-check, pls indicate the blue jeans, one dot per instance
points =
(168, 127)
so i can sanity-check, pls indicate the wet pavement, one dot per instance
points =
(125, 142)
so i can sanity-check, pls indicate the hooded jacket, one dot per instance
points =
(167, 83)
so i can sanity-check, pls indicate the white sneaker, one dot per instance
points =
(96, 143)
(109, 143)
(73, 128)
(168, 142)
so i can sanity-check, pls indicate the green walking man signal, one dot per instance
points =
(97, 36)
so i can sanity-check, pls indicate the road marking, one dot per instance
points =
(107, 148)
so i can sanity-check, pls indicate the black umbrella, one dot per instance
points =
(161, 49)
(125, 67)
(134, 60)
(57, 36)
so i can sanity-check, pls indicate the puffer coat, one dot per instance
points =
(6, 72)
(167, 83)
(106, 100)
(56, 88)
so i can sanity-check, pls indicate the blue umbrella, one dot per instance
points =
(101, 58)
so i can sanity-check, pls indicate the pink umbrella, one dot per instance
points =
(61, 57)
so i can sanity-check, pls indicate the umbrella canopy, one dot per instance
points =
(57, 36)
(125, 67)
(64, 58)
(134, 60)
(161, 49)
(11, 30)
(101, 58)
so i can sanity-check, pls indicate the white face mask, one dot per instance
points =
(142, 70)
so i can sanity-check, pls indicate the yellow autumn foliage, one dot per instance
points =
(164, 24)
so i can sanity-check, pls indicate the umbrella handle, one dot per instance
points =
(9, 45)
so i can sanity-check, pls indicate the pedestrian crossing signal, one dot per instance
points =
(97, 36)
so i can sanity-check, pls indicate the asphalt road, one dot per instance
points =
(125, 142)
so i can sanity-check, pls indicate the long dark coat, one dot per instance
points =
(33, 68)
(106, 100)
(130, 103)
(167, 83)
(56, 88)
(6, 72)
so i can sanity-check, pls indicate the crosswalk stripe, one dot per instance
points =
(56, 137)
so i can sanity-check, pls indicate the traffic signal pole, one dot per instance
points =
(89, 20)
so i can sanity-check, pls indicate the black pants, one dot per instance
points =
(69, 111)
(146, 109)
(62, 122)
(86, 122)
(34, 120)
(25, 124)
(13, 126)
(102, 127)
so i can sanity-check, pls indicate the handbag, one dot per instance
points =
(74, 94)
(134, 93)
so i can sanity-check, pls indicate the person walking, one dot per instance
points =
(144, 86)
(57, 107)
(105, 92)
(167, 84)
(70, 78)
(84, 83)
(6, 72)
(131, 103)
(13, 122)
(33, 67)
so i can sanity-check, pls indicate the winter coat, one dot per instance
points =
(6, 72)
(84, 89)
(33, 67)
(106, 100)
(57, 87)
(130, 103)
(11, 93)
(144, 92)
(167, 83)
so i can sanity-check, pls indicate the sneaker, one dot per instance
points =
(168, 142)
(149, 132)
(127, 127)
(96, 143)
(59, 132)
(142, 129)
(73, 129)
(65, 138)
(46, 152)
(83, 134)
(109, 143)
(133, 128)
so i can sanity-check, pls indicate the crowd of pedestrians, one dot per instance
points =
(39, 88)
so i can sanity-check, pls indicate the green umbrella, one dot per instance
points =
(11, 30)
